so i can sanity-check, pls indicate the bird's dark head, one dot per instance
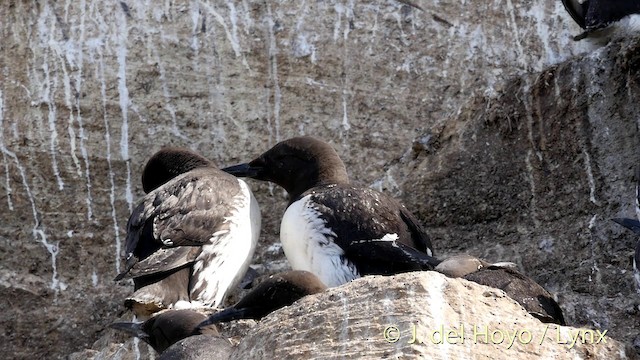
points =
(296, 164)
(168, 163)
(171, 326)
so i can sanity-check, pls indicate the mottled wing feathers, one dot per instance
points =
(187, 211)
(364, 214)
(163, 260)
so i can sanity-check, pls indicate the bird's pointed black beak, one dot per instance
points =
(134, 329)
(243, 170)
(225, 315)
(631, 224)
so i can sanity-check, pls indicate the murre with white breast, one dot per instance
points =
(331, 228)
(191, 238)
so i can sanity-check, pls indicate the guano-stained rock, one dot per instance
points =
(375, 317)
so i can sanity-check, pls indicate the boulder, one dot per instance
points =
(421, 314)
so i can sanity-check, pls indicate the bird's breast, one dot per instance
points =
(308, 244)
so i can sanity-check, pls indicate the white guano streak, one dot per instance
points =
(47, 42)
(38, 231)
(78, 89)
(514, 24)
(232, 35)
(4, 155)
(273, 71)
(107, 138)
(121, 36)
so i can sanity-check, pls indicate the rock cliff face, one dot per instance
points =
(478, 116)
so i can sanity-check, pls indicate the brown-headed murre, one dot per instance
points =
(530, 295)
(598, 17)
(191, 238)
(167, 327)
(278, 291)
(331, 228)
(634, 225)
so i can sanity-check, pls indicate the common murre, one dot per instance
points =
(331, 228)
(534, 298)
(599, 18)
(278, 291)
(166, 328)
(191, 238)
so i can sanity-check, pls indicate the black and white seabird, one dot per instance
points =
(331, 228)
(278, 291)
(166, 328)
(597, 17)
(191, 238)
(534, 298)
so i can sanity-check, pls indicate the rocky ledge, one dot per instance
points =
(404, 316)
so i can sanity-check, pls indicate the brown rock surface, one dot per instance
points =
(474, 114)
